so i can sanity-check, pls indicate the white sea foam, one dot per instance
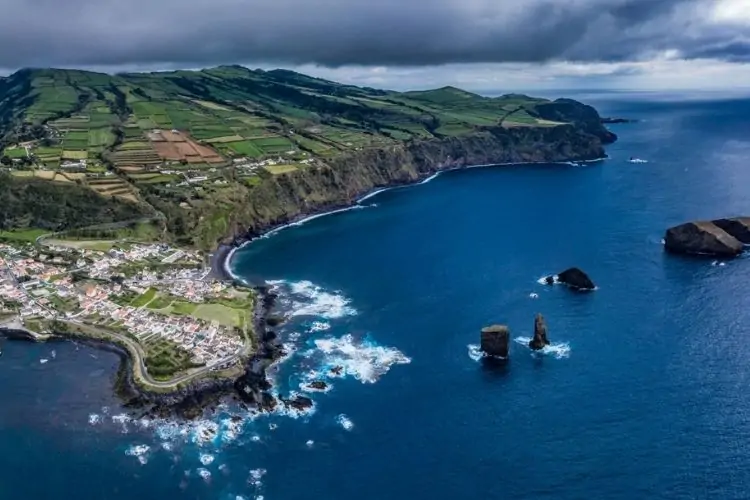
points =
(558, 350)
(534, 295)
(94, 419)
(345, 422)
(53, 354)
(310, 443)
(543, 279)
(310, 218)
(230, 430)
(475, 352)
(256, 476)
(139, 451)
(205, 474)
(433, 176)
(309, 299)
(43, 361)
(637, 160)
(204, 432)
(372, 194)
(207, 459)
(272, 427)
(319, 326)
(363, 360)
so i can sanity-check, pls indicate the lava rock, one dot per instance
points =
(701, 238)
(274, 320)
(495, 340)
(575, 278)
(299, 403)
(540, 334)
(318, 385)
(337, 370)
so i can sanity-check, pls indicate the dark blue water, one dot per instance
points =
(644, 394)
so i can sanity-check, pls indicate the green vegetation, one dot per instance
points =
(145, 298)
(22, 235)
(132, 174)
(281, 169)
(164, 359)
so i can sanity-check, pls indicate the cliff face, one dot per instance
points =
(282, 198)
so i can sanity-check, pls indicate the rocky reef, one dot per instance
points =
(720, 238)
(540, 334)
(495, 341)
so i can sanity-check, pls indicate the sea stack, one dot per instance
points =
(574, 278)
(495, 340)
(540, 334)
(705, 238)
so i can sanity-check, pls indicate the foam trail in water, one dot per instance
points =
(558, 350)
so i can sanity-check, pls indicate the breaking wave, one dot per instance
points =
(308, 299)
(364, 360)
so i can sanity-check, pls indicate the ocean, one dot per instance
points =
(642, 393)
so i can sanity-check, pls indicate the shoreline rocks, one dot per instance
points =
(707, 238)
(540, 339)
(495, 341)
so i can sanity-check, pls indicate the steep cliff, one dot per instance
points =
(282, 198)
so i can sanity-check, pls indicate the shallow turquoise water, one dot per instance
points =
(643, 396)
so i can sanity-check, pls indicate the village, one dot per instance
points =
(153, 293)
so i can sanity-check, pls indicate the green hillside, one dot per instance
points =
(179, 138)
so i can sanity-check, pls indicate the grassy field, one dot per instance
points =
(145, 298)
(22, 235)
(74, 155)
(244, 148)
(100, 245)
(280, 169)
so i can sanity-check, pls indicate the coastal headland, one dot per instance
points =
(127, 264)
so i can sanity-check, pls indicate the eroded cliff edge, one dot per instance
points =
(341, 181)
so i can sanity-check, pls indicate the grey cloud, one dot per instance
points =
(117, 33)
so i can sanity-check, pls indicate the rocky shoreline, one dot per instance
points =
(341, 186)
(193, 400)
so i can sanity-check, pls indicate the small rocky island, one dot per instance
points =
(572, 277)
(495, 341)
(716, 238)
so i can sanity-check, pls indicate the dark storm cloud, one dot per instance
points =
(118, 33)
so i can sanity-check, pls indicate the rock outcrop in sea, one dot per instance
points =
(707, 238)
(574, 278)
(495, 340)
(540, 334)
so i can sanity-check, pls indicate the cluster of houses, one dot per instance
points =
(35, 285)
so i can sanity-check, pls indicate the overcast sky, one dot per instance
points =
(476, 44)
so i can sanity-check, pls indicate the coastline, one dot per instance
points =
(225, 252)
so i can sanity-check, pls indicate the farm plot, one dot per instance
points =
(176, 146)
